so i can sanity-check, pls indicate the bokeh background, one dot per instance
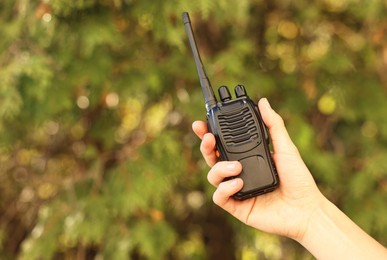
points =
(97, 97)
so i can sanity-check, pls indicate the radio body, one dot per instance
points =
(239, 131)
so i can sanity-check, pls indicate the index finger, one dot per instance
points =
(208, 144)
(199, 128)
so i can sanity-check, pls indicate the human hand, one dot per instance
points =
(285, 211)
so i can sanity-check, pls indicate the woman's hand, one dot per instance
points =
(286, 210)
(296, 209)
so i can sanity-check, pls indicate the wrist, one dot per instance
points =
(321, 232)
(317, 216)
(330, 234)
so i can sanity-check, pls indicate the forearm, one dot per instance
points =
(332, 235)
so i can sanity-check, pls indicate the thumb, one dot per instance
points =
(278, 133)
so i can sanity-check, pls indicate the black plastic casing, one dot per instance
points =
(242, 136)
(239, 130)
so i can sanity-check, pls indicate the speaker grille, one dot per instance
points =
(238, 128)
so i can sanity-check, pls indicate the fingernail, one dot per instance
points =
(267, 102)
(234, 183)
(231, 165)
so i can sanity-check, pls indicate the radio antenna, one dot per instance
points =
(208, 92)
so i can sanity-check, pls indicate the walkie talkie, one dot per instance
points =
(239, 131)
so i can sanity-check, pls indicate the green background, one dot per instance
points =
(97, 156)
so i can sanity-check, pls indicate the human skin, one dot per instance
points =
(296, 209)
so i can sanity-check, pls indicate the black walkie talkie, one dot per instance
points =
(239, 131)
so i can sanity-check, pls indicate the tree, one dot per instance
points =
(97, 159)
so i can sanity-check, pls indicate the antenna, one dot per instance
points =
(208, 92)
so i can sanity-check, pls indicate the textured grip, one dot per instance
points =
(238, 128)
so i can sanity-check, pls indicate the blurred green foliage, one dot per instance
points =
(97, 158)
